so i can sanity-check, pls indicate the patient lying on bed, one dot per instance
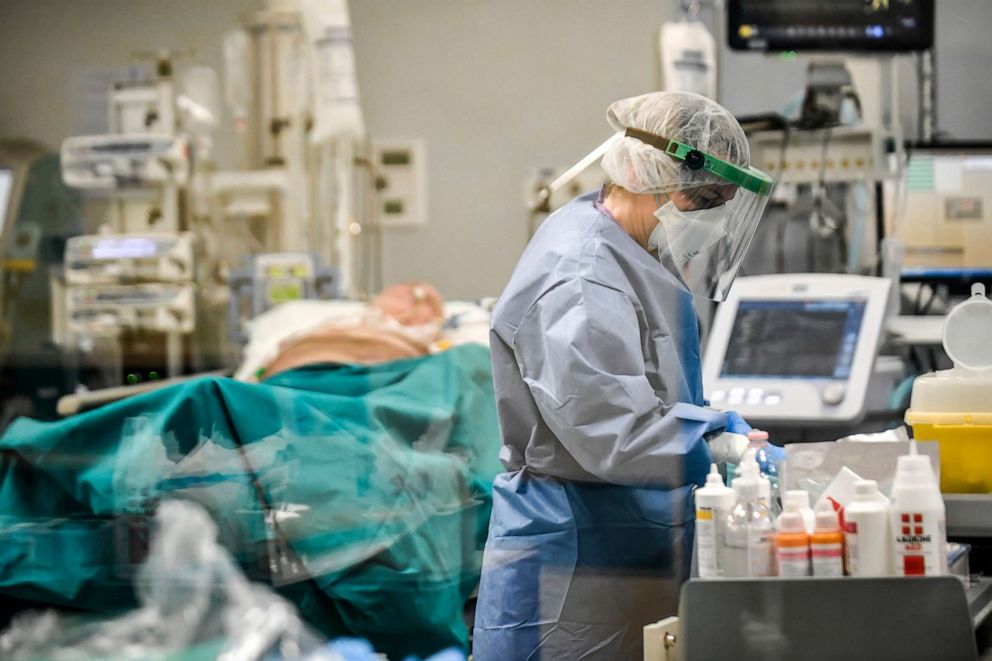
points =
(403, 321)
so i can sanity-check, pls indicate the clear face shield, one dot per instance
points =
(704, 231)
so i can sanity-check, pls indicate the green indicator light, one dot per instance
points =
(789, 55)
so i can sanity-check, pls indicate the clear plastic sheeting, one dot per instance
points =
(359, 493)
(194, 603)
(813, 467)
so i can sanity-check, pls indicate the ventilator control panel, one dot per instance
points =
(796, 347)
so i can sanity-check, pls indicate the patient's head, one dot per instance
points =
(411, 303)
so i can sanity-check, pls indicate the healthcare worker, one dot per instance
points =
(597, 373)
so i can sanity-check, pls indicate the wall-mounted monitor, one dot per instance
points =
(830, 25)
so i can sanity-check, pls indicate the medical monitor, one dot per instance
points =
(942, 209)
(6, 188)
(803, 339)
(830, 25)
(795, 347)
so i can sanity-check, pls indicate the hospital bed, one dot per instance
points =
(360, 492)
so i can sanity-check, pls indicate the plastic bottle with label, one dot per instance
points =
(800, 500)
(750, 456)
(714, 502)
(867, 540)
(827, 543)
(765, 494)
(792, 543)
(768, 457)
(918, 518)
(748, 535)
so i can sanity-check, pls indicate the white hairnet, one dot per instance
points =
(689, 118)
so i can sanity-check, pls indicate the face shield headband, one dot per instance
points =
(749, 179)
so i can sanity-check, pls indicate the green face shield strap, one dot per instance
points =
(749, 179)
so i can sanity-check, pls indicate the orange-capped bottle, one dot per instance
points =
(827, 543)
(792, 544)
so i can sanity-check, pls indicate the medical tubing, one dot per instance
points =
(266, 506)
(784, 218)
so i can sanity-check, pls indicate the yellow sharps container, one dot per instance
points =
(954, 407)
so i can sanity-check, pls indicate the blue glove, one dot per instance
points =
(358, 649)
(354, 649)
(736, 424)
(769, 458)
(452, 654)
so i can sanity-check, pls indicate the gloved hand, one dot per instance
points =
(769, 458)
(736, 424)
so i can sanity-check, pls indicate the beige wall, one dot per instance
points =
(493, 86)
(48, 48)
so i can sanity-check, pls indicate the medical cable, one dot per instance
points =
(783, 222)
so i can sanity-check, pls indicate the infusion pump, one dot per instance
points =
(110, 162)
(108, 309)
(129, 258)
(796, 348)
(120, 282)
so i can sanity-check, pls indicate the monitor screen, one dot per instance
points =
(794, 339)
(131, 247)
(833, 25)
(6, 187)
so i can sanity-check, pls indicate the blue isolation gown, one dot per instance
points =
(596, 367)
